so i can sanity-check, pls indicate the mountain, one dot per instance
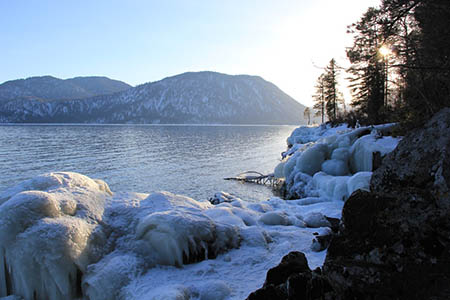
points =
(188, 98)
(47, 88)
(98, 85)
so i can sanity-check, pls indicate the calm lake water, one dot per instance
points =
(189, 160)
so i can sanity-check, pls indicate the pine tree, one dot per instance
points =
(319, 98)
(421, 31)
(332, 95)
(368, 69)
(412, 79)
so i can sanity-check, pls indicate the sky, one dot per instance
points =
(137, 41)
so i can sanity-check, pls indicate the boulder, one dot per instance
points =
(292, 279)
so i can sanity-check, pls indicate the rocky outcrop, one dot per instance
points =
(394, 241)
(292, 279)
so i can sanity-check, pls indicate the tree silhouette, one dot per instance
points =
(319, 98)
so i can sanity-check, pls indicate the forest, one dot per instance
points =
(399, 66)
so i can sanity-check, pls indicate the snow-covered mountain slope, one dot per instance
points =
(201, 97)
(47, 88)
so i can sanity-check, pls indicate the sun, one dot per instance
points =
(385, 51)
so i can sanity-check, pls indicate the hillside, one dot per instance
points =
(47, 88)
(188, 98)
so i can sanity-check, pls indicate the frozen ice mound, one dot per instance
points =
(324, 161)
(206, 290)
(49, 232)
(181, 236)
(66, 236)
(177, 229)
(160, 229)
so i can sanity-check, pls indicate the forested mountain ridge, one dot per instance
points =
(193, 97)
(46, 88)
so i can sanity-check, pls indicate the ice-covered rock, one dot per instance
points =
(221, 197)
(310, 161)
(306, 134)
(335, 167)
(178, 237)
(341, 153)
(50, 234)
(322, 240)
(274, 218)
(332, 187)
(279, 170)
(359, 181)
(316, 220)
(330, 154)
(363, 149)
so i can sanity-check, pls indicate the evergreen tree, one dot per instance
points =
(411, 80)
(319, 97)
(332, 95)
(368, 67)
(423, 56)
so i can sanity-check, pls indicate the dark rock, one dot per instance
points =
(294, 262)
(321, 242)
(377, 159)
(420, 162)
(292, 279)
(268, 293)
(334, 223)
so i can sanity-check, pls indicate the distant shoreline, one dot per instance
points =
(137, 124)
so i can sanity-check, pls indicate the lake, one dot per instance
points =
(183, 159)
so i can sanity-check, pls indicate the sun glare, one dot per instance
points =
(385, 51)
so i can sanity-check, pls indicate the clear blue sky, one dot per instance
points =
(139, 41)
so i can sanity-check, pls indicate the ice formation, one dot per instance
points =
(332, 162)
(66, 236)
(49, 233)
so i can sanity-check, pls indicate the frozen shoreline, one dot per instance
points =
(80, 239)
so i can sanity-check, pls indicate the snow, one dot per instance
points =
(316, 220)
(52, 231)
(66, 236)
(221, 197)
(310, 161)
(274, 218)
(324, 162)
(362, 150)
(79, 239)
(335, 167)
